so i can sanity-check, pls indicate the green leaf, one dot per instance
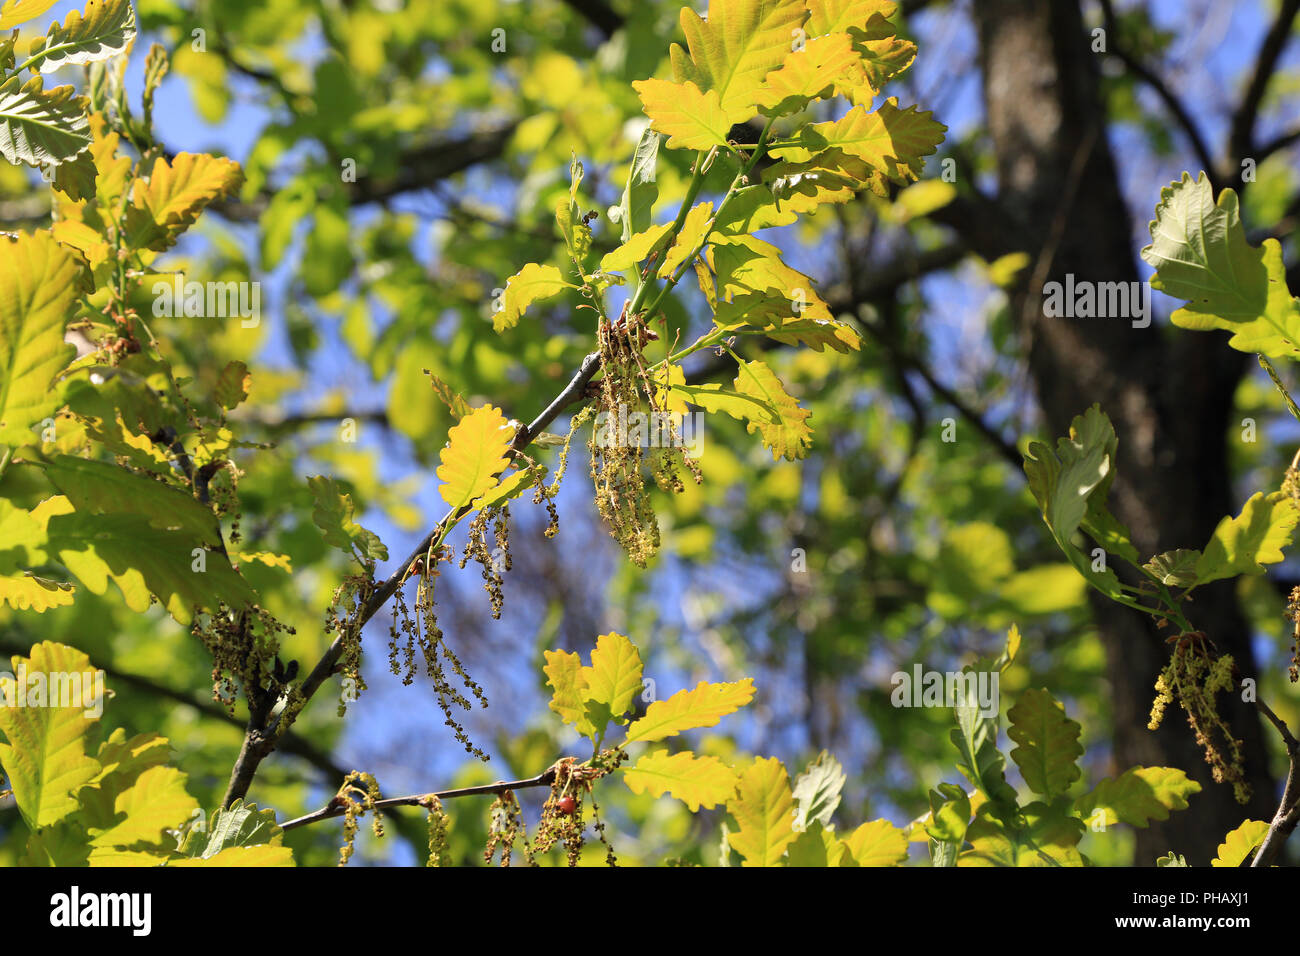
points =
(39, 283)
(44, 756)
(815, 846)
(96, 487)
(817, 334)
(817, 791)
(333, 515)
(41, 127)
(104, 30)
(1200, 254)
(1048, 837)
(1256, 537)
(1064, 483)
(232, 385)
(1137, 796)
(702, 707)
(1171, 859)
(1175, 568)
(144, 560)
(950, 810)
(1048, 741)
(696, 781)
(1238, 845)
(975, 738)
(569, 217)
(235, 826)
(642, 190)
(764, 809)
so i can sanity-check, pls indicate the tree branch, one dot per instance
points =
(1161, 89)
(337, 807)
(1241, 139)
(1288, 811)
(260, 738)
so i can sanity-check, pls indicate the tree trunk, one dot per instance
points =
(1169, 394)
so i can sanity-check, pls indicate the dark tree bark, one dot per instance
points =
(1169, 394)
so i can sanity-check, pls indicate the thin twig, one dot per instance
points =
(337, 807)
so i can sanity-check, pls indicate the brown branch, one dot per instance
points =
(1276, 145)
(337, 807)
(419, 168)
(1172, 103)
(260, 737)
(1288, 810)
(1241, 139)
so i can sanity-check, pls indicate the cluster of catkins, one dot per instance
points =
(622, 498)
(1195, 676)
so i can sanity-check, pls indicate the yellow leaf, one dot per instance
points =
(764, 809)
(789, 436)
(614, 676)
(891, 140)
(672, 399)
(530, 284)
(807, 74)
(883, 54)
(157, 801)
(474, 455)
(39, 282)
(262, 855)
(878, 843)
(732, 51)
(702, 707)
(26, 591)
(564, 672)
(44, 757)
(174, 195)
(15, 12)
(1240, 843)
(831, 16)
(696, 781)
(758, 285)
(694, 229)
(634, 250)
(689, 117)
